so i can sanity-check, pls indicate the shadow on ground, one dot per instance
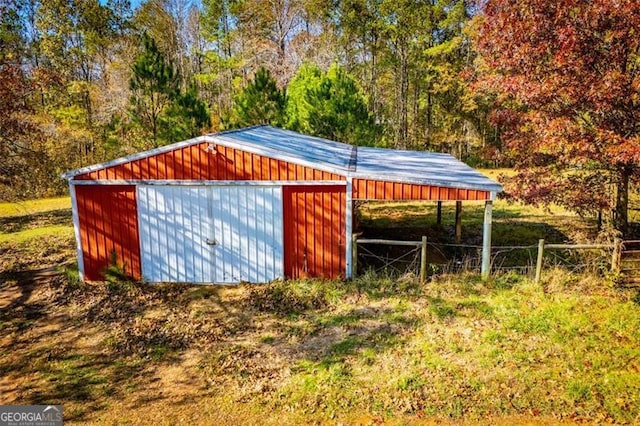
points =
(11, 224)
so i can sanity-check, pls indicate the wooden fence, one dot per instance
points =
(420, 244)
(616, 250)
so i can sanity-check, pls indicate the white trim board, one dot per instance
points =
(348, 229)
(76, 230)
(211, 182)
(137, 156)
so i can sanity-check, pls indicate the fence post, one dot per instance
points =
(615, 256)
(354, 255)
(458, 234)
(423, 260)
(539, 260)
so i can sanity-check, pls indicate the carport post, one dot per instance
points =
(486, 241)
(349, 267)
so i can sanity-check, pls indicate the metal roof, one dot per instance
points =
(426, 168)
(292, 146)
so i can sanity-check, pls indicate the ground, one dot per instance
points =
(374, 350)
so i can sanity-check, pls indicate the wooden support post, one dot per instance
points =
(486, 241)
(600, 220)
(354, 255)
(458, 222)
(423, 260)
(439, 213)
(615, 256)
(539, 261)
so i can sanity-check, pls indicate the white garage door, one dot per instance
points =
(214, 234)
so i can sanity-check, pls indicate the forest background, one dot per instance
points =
(551, 88)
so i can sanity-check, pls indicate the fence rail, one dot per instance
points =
(502, 257)
(422, 245)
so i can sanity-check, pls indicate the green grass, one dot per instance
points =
(27, 220)
(485, 352)
(35, 234)
(24, 208)
(30, 234)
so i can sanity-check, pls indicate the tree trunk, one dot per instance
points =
(427, 134)
(373, 102)
(622, 200)
(403, 123)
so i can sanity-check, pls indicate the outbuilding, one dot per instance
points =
(250, 205)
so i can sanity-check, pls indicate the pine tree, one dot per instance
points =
(186, 118)
(154, 85)
(331, 105)
(261, 102)
(299, 110)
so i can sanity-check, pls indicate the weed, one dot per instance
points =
(440, 308)
(476, 306)
(74, 377)
(578, 391)
(72, 277)
(376, 285)
(457, 348)
(268, 339)
(411, 382)
(346, 347)
(118, 281)
(507, 280)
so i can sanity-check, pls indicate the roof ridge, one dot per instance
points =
(353, 160)
(242, 129)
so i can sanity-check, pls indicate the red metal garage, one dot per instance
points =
(253, 205)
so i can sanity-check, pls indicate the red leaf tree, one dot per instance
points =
(567, 78)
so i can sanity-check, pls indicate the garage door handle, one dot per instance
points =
(211, 242)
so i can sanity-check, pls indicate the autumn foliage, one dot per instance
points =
(566, 78)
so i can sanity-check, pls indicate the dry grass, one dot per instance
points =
(300, 352)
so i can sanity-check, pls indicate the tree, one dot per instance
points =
(568, 78)
(186, 117)
(408, 57)
(261, 102)
(174, 25)
(267, 27)
(330, 105)
(221, 64)
(73, 48)
(23, 162)
(153, 86)
(299, 110)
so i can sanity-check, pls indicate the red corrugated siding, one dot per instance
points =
(366, 189)
(108, 223)
(314, 231)
(195, 162)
